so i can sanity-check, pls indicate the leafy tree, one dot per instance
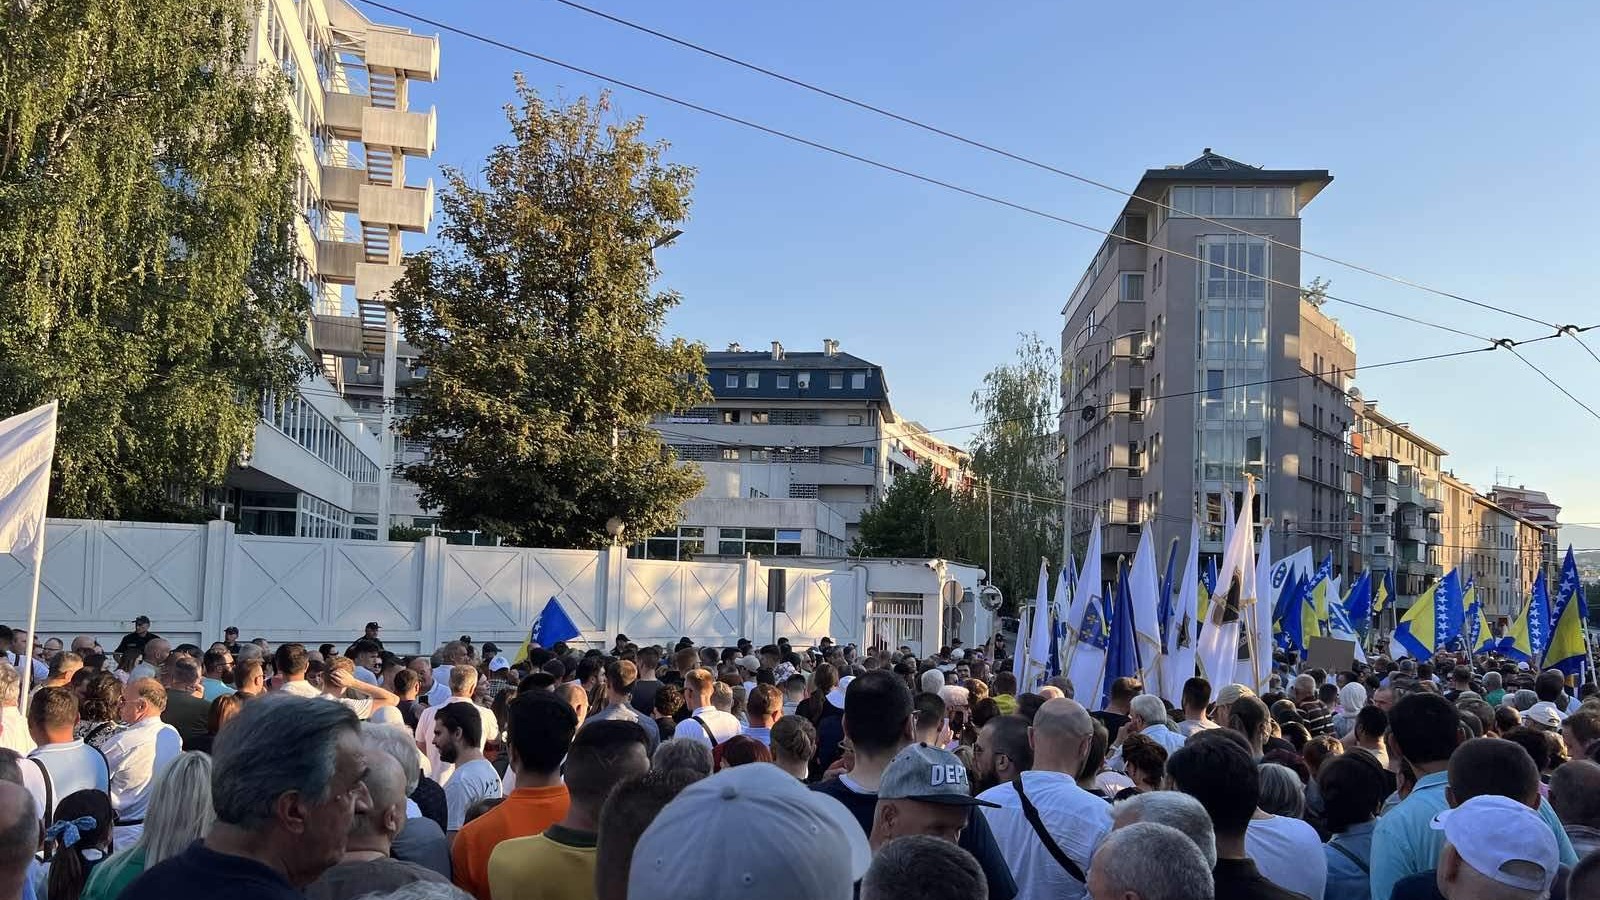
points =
(541, 333)
(146, 218)
(917, 516)
(1015, 454)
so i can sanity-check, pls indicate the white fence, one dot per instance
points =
(195, 580)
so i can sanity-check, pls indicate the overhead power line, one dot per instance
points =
(890, 167)
(1029, 161)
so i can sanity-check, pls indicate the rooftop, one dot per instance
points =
(1215, 167)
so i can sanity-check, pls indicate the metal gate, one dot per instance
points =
(895, 620)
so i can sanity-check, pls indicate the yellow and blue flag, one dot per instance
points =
(1480, 636)
(1540, 618)
(1358, 603)
(1434, 620)
(1383, 592)
(1319, 597)
(552, 627)
(1569, 648)
(1516, 642)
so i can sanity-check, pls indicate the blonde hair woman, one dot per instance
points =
(179, 813)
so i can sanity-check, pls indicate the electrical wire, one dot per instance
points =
(1556, 384)
(1037, 164)
(889, 167)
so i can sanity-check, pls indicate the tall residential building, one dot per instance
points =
(1499, 541)
(1537, 508)
(795, 446)
(1169, 399)
(1401, 502)
(319, 467)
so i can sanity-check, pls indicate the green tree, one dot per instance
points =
(917, 516)
(540, 329)
(1014, 453)
(146, 218)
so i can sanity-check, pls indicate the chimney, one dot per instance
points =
(734, 347)
(777, 350)
(830, 347)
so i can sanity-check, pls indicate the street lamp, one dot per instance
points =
(614, 527)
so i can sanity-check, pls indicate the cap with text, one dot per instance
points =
(1503, 840)
(928, 775)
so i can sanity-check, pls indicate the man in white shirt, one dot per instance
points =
(706, 723)
(762, 709)
(463, 682)
(60, 765)
(13, 728)
(137, 754)
(1147, 715)
(340, 678)
(1196, 694)
(458, 739)
(1076, 819)
(291, 663)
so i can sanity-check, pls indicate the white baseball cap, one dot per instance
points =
(794, 843)
(836, 696)
(498, 664)
(1503, 840)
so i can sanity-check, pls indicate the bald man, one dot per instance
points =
(573, 694)
(1076, 819)
(367, 866)
(19, 837)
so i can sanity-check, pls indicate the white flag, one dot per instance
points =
(1179, 664)
(27, 442)
(1074, 605)
(1087, 627)
(1144, 588)
(1233, 602)
(1038, 660)
(1261, 648)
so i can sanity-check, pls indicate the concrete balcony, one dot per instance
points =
(412, 133)
(415, 56)
(409, 208)
(1410, 494)
(375, 279)
(342, 113)
(339, 335)
(1433, 505)
(1419, 567)
(337, 260)
(341, 187)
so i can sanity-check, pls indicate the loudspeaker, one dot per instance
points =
(777, 589)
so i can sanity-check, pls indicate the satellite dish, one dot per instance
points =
(951, 593)
(990, 598)
(1088, 413)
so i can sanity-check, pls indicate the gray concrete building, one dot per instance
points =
(1165, 402)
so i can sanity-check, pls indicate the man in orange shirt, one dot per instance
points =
(541, 730)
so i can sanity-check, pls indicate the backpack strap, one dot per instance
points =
(49, 812)
(1031, 812)
(1359, 862)
(707, 729)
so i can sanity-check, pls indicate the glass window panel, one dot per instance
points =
(759, 534)
(1222, 201)
(1182, 199)
(733, 381)
(752, 380)
(691, 531)
(1202, 201)
(761, 548)
(788, 534)
(788, 550)
(730, 548)
(1258, 258)
(736, 534)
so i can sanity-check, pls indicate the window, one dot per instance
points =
(758, 417)
(1133, 228)
(683, 542)
(858, 381)
(1134, 461)
(802, 380)
(788, 542)
(730, 417)
(733, 381)
(835, 381)
(752, 380)
(1136, 403)
(869, 456)
(1213, 397)
(1235, 202)
(760, 454)
(755, 541)
(730, 453)
(1131, 287)
(852, 419)
(783, 382)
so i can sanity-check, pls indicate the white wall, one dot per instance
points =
(195, 580)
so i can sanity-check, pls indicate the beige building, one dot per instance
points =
(1181, 375)
(1498, 541)
(319, 468)
(1401, 501)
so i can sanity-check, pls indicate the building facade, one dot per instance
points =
(319, 467)
(1169, 395)
(1498, 541)
(794, 446)
(1401, 502)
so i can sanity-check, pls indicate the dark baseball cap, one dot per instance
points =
(142, 620)
(375, 625)
(231, 629)
(928, 775)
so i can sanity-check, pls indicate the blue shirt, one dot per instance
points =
(213, 689)
(1346, 880)
(1406, 843)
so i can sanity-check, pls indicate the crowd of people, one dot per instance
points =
(246, 770)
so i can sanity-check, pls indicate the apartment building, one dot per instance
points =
(319, 467)
(1401, 501)
(1495, 539)
(1537, 508)
(1325, 512)
(795, 446)
(1169, 399)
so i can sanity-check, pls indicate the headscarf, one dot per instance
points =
(1352, 697)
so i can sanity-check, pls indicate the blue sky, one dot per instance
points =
(1462, 139)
